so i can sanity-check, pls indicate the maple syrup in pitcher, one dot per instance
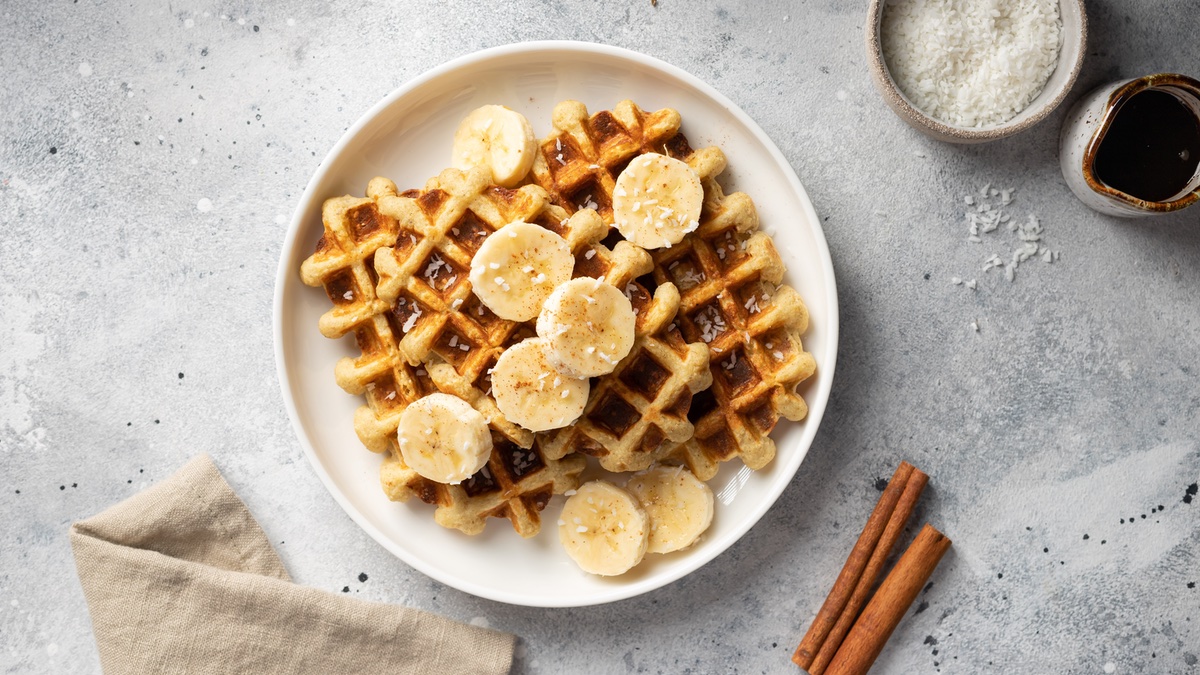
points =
(1152, 148)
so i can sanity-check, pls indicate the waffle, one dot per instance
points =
(517, 482)
(644, 402)
(579, 163)
(727, 274)
(425, 308)
(422, 276)
(729, 277)
(450, 217)
(638, 413)
(354, 231)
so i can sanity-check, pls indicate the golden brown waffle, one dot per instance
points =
(426, 310)
(579, 162)
(517, 481)
(641, 408)
(422, 276)
(423, 281)
(726, 272)
(729, 276)
(637, 414)
(354, 230)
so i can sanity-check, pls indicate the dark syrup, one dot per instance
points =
(1152, 148)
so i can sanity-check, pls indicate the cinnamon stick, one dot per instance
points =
(852, 571)
(889, 604)
(870, 576)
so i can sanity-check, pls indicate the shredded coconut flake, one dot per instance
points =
(987, 217)
(431, 269)
(412, 319)
(971, 64)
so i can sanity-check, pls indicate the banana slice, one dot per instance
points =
(680, 506)
(531, 393)
(603, 528)
(498, 138)
(517, 267)
(657, 201)
(444, 439)
(588, 327)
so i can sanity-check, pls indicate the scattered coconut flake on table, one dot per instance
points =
(985, 214)
(971, 63)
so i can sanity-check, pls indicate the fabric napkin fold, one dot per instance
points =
(181, 579)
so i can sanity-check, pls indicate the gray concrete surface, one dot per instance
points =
(1061, 437)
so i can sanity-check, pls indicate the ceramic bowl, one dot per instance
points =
(407, 137)
(1070, 59)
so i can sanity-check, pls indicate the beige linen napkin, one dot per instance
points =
(181, 579)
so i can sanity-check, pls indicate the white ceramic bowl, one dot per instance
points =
(407, 137)
(1070, 59)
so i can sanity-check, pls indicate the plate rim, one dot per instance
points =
(825, 365)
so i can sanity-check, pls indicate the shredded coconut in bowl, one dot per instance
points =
(971, 63)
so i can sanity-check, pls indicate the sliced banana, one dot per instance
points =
(603, 528)
(656, 201)
(443, 438)
(531, 393)
(679, 505)
(517, 267)
(498, 138)
(588, 327)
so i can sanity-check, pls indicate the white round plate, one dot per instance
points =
(407, 137)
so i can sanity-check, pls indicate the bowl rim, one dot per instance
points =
(915, 116)
(822, 386)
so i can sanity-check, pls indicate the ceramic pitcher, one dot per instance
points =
(1085, 127)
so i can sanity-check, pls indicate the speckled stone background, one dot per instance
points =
(150, 154)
